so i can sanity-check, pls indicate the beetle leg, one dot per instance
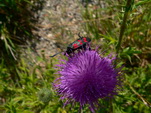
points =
(84, 47)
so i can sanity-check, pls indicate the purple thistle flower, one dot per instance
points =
(87, 77)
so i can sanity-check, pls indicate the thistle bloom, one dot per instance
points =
(86, 77)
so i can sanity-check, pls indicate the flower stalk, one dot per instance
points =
(123, 26)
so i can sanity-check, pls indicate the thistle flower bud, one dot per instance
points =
(45, 95)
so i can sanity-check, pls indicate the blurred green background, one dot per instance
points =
(122, 27)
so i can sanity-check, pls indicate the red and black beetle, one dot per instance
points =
(76, 45)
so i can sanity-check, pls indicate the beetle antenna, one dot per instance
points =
(55, 54)
(79, 35)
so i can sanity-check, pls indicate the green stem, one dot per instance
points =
(123, 26)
